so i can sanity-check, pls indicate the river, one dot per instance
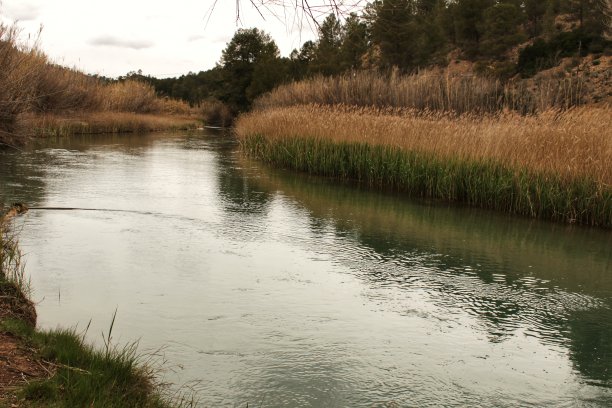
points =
(277, 289)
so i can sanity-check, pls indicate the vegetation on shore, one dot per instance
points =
(427, 91)
(35, 94)
(63, 370)
(101, 122)
(524, 55)
(495, 104)
(552, 166)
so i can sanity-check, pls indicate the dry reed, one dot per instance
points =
(428, 90)
(31, 84)
(101, 122)
(576, 143)
(554, 165)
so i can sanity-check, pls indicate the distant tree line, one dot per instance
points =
(404, 35)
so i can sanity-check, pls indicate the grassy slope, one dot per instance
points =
(38, 97)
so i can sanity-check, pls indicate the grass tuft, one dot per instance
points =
(12, 270)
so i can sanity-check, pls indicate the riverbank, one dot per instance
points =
(32, 126)
(553, 165)
(57, 368)
(40, 98)
(104, 122)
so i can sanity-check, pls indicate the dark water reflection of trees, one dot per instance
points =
(553, 281)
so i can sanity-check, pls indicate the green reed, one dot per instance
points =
(482, 183)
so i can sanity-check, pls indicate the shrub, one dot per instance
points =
(546, 54)
(216, 113)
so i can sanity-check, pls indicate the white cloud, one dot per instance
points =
(22, 11)
(109, 40)
(196, 37)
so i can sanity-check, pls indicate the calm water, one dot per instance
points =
(276, 289)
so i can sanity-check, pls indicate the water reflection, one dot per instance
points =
(239, 195)
(589, 333)
(553, 281)
(17, 171)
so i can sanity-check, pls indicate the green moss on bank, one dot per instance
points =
(484, 184)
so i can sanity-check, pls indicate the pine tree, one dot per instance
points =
(534, 12)
(393, 32)
(469, 18)
(594, 16)
(501, 29)
(247, 49)
(327, 59)
(355, 43)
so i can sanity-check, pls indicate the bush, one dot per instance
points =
(546, 54)
(216, 113)
(17, 82)
(536, 57)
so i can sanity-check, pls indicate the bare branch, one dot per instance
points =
(310, 10)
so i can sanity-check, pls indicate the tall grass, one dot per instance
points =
(11, 266)
(30, 83)
(572, 144)
(554, 165)
(428, 90)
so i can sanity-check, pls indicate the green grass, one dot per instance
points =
(484, 183)
(83, 375)
(11, 268)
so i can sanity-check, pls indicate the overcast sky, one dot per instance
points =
(162, 38)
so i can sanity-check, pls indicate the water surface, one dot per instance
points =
(277, 289)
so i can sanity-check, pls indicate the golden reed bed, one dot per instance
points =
(574, 144)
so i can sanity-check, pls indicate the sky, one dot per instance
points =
(161, 38)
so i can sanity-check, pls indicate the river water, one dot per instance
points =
(272, 288)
